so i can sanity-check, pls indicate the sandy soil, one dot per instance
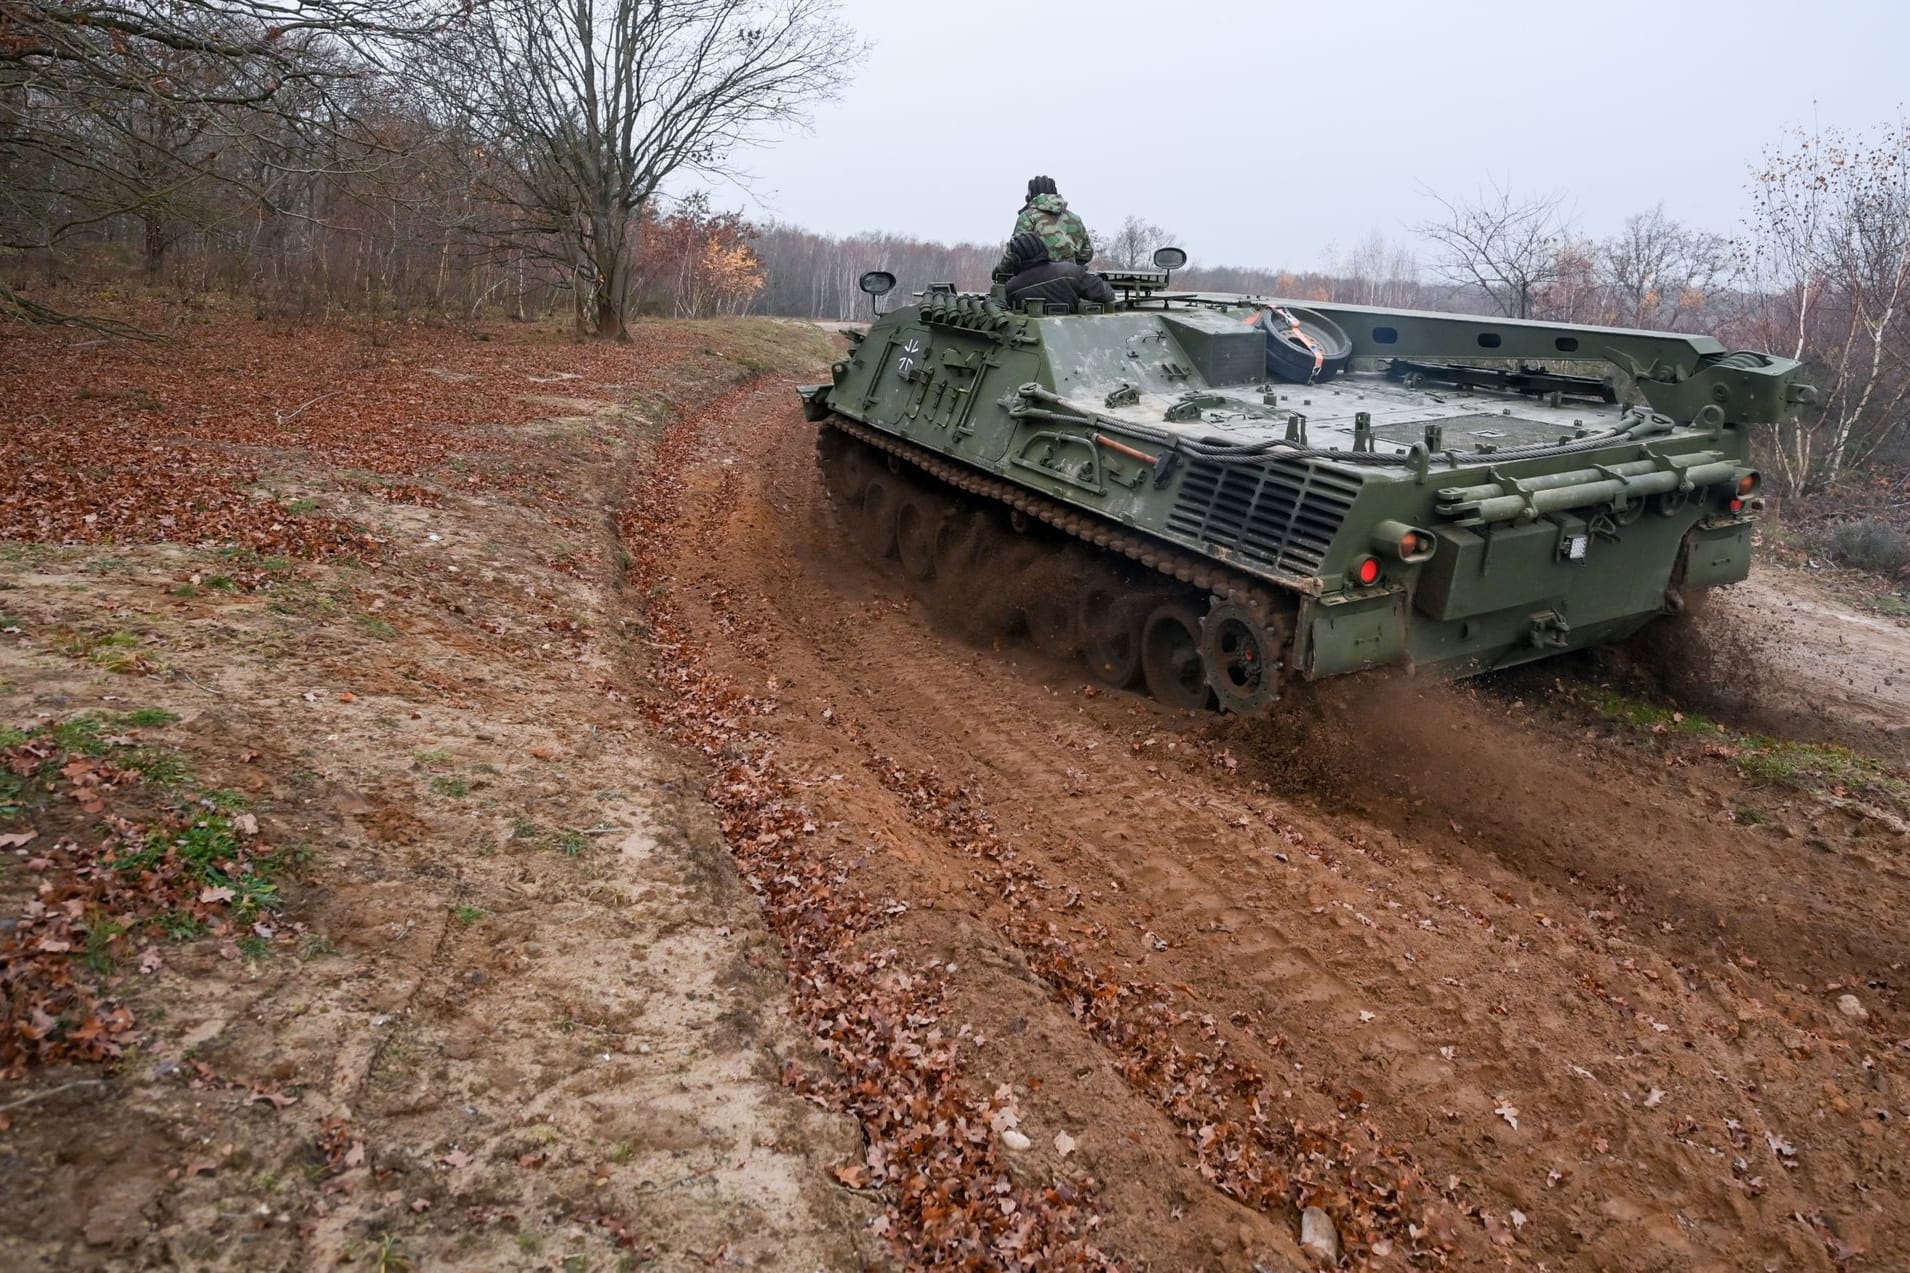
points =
(1570, 988)
(1853, 667)
(518, 1011)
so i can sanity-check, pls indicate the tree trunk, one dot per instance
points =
(155, 243)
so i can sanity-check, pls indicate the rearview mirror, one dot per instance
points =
(877, 283)
(1169, 258)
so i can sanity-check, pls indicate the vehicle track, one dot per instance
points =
(1588, 1006)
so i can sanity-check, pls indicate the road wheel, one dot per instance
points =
(918, 525)
(875, 520)
(1051, 626)
(1242, 659)
(1110, 629)
(1170, 656)
(854, 467)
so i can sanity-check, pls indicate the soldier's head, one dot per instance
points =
(1040, 185)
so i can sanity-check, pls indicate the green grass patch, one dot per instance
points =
(573, 843)
(457, 788)
(158, 766)
(82, 735)
(101, 932)
(116, 651)
(1648, 716)
(467, 914)
(148, 717)
(1817, 765)
(299, 507)
(179, 925)
(1813, 766)
(377, 627)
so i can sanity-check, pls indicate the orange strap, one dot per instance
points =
(1294, 331)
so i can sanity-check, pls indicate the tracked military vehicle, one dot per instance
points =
(1294, 490)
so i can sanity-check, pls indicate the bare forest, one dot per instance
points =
(428, 161)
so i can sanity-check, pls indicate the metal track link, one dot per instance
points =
(1204, 573)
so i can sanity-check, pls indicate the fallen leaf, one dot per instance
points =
(530, 1161)
(14, 839)
(355, 1156)
(1654, 1099)
(1509, 1113)
(456, 1159)
(854, 1175)
(149, 960)
(348, 697)
(219, 894)
(544, 753)
(421, 1204)
(246, 824)
(1063, 1144)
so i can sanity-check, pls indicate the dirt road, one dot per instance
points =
(1487, 975)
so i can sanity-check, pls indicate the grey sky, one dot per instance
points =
(1268, 133)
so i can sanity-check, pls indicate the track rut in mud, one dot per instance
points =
(1549, 994)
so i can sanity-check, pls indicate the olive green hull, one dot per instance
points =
(1533, 526)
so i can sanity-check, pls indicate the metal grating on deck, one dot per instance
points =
(1281, 515)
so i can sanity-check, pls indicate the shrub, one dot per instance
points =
(1871, 544)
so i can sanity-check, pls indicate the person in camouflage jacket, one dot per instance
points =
(1046, 213)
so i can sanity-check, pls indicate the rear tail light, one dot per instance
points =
(1403, 543)
(1366, 571)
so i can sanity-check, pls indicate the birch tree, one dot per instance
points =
(1829, 252)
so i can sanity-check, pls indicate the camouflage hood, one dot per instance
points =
(1053, 204)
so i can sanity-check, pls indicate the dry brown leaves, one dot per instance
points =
(129, 857)
(105, 442)
(876, 1013)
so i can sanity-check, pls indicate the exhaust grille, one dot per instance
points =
(1281, 516)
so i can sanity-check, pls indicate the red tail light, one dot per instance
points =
(1366, 570)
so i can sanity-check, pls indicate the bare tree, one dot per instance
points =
(578, 111)
(1376, 272)
(1829, 249)
(1132, 246)
(146, 111)
(1507, 248)
(1661, 273)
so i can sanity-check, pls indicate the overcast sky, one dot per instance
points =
(1271, 133)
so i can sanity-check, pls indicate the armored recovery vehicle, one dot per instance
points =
(1283, 490)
